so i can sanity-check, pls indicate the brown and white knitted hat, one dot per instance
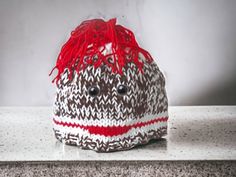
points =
(110, 93)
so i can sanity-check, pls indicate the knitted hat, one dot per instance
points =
(110, 93)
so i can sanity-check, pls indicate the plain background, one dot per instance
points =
(193, 42)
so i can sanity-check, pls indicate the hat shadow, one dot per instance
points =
(160, 144)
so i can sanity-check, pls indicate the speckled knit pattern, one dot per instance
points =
(85, 142)
(145, 103)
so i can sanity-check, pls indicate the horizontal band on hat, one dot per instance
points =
(110, 130)
(106, 121)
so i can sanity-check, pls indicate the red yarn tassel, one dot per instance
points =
(88, 42)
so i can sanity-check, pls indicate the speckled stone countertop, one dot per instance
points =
(194, 133)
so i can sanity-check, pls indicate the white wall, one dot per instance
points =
(193, 41)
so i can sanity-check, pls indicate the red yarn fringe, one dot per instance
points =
(88, 42)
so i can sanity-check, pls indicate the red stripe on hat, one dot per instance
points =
(110, 130)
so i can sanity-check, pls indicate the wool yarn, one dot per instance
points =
(110, 92)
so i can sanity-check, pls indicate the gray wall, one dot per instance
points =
(193, 41)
